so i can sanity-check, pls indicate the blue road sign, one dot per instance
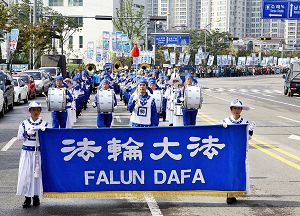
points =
(294, 10)
(160, 40)
(172, 39)
(275, 9)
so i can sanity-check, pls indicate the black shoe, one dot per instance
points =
(170, 124)
(27, 202)
(36, 201)
(231, 200)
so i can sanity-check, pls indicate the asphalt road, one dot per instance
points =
(274, 157)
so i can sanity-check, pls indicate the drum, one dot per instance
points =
(192, 97)
(57, 99)
(105, 101)
(157, 95)
(178, 110)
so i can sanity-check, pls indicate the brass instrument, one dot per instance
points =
(90, 68)
(145, 66)
(117, 66)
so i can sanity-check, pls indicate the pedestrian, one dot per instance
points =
(236, 108)
(29, 177)
(142, 106)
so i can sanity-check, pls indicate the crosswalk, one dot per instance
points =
(252, 91)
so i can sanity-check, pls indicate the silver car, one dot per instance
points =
(41, 79)
(52, 71)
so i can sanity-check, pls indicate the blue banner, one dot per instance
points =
(144, 159)
(172, 39)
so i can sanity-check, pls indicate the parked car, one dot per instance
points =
(21, 91)
(28, 79)
(1, 103)
(292, 80)
(52, 71)
(6, 85)
(41, 79)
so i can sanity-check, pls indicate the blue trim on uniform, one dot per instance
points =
(30, 148)
(32, 123)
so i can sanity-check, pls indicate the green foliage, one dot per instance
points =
(134, 25)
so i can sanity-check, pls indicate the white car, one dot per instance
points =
(52, 71)
(21, 90)
(1, 103)
(42, 80)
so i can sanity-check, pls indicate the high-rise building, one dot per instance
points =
(224, 15)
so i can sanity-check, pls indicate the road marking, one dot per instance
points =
(269, 96)
(223, 99)
(293, 120)
(259, 147)
(278, 91)
(9, 144)
(152, 204)
(272, 100)
(294, 137)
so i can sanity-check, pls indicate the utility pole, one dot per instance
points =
(34, 24)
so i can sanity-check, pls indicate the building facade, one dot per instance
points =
(91, 30)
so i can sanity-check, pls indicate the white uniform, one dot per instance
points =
(30, 184)
(170, 104)
(71, 109)
(177, 119)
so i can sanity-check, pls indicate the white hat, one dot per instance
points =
(174, 79)
(238, 103)
(35, 104)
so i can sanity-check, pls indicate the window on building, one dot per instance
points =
(80, 41)
(75, 2)
(79, 21)
(71, 42)
(56, 3)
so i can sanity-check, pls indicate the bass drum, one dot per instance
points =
(193, 97)
(105, 101)
(57, 99)
(158, 97)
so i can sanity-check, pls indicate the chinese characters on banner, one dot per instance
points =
(139, 159)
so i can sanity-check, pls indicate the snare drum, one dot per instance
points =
(57, 99)
(192, 97)
(157, 95)
(178, 110)
(105, 101)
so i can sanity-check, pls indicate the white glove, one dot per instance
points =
(252, 125)
(181, 99)
(135, 97)
(94, 104)
(43, 128)
(224, 124)
(116, 107)
(31, 131)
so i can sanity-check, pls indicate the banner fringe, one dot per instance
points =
(118, 194)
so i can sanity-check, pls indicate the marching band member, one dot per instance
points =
(104, 119)
(189, 115)
(236, 108)
(59, 118)
(177, 117)
(29, 178)
(142, 107)
(71, 106)
(153, 86)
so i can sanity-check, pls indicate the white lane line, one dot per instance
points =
(223, 99)
(9, 144)
(232, 90)
(278, 91)
(267, 91)
(243, 90)
(154, 208)
(293, 120)
(255, 90)
(269, 95)
(293, 105)
(294, 137)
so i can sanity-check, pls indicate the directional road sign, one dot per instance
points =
(294, 10)
(275, 9)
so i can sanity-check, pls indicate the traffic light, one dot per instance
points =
(158, 18)
(265, 38)
(100, 17)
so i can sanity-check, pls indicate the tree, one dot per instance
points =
(130, 21)
(65, 26)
